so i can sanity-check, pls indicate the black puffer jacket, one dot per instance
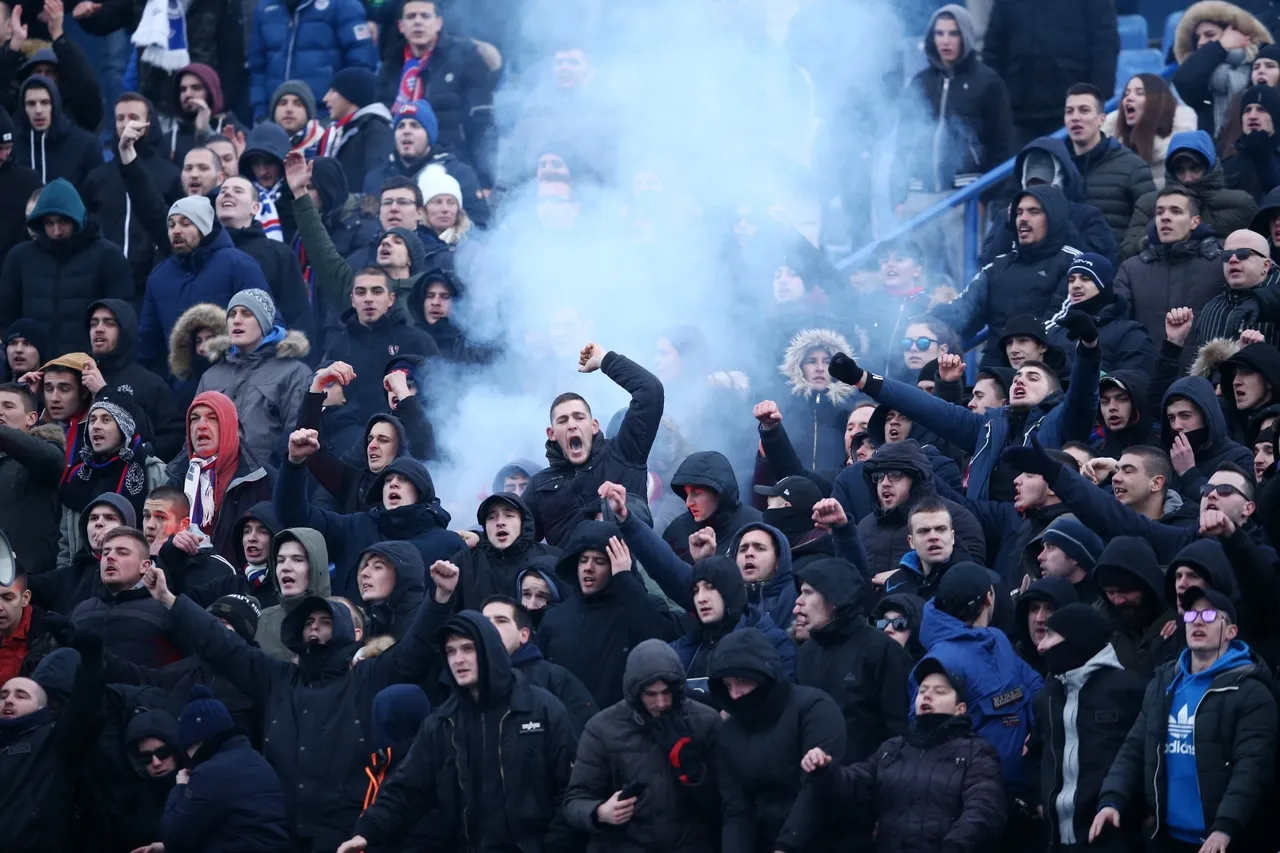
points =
(1163, 277)
(761, 743)
(884, 534)
(1221, 209)
(1073, 746)
(131, 624)
(622, 744)
(56, 281)
(858, 666)
(318, 711)
(1042, 49)
(1125, 343)
(1235, 742)
(615, 619)
(936, 788)
(563, 494)
(512, 745)
(1025, 280)
(368, 348)
(711, 470)
(488, 570)
(1114, 179)
(395, 615)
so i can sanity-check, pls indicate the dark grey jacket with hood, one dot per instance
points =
(623, 744)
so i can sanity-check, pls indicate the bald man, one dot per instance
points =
(20, 697)
(1246, 266)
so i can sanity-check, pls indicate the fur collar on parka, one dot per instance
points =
(204, 315)
(1184, 42)
(800, 347)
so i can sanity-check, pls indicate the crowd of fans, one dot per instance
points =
(1016, 604)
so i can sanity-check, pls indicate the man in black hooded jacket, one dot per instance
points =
(392, 583)
(1036, 605)
(580, 459)
(113, 333)
(709, 487)
(1250, 383)
(1123, 414)
(610, 607)
(508, 547)
(1131, 581)
(853, 662)
(495, 758)
(318, 711)
(108, 202)
(47, 140)
(1030, 278)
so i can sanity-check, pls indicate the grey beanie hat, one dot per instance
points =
(260, 305)
(298, 88)
(196, 208)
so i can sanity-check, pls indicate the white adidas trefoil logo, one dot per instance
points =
(1182, 727)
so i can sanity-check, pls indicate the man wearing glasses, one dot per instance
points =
(1246, 266)
(1202, 752)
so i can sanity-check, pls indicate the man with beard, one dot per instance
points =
(1082, 717)
(316, 719)
(707, 483)
(293, 107)
(69, 249)
(581, 460)
(105, 189)
(416, 130)
(111, 458)
(658, 734)
(196, 111)
(205, 266)
(402, 505)
(610, 606)
(113, 337)
(1034, 408)
(1132, 587)
(507, 549)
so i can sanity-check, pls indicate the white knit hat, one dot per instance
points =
(435, 181)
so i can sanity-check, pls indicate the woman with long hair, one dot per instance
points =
(1148, 116)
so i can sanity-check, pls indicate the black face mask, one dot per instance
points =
(927, 724)
(792, 521)
(1064, 657)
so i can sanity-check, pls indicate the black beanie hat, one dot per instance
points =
(1081, 626)
(357, 85)
(240, 612)
(1269, 51)
(1267, 97)
(7, 127)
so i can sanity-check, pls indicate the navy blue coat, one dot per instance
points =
(424, 524)
(233, 803)
(214, 272)
(317, 39)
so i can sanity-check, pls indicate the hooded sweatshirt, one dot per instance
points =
(776, 596)
(709, 470)
(1211, 443)
(63, 150)
(263, 513)
(489, 570)
(268, 637)
(394, 615)
(1262, 358)
(1184, 810)
(1141, 426)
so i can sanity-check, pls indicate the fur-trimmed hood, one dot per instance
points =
(52, 433)
(1184, 42)
(800, 346)
(1211, 356)
(293, 344)
(204, 315)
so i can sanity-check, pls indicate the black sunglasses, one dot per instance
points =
(1243, 254)
(1224, 490)
(898, 623)
(163, 753)
(919, 343)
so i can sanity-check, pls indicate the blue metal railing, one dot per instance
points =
(969, 197)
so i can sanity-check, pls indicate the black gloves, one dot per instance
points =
(1031, 459)
(1079, 326)
(845, 369)
(1256, 145)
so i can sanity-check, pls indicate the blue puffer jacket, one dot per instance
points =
(999, 685)
(214, 272)
(316, 39)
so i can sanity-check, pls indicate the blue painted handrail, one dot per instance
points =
(968, 196)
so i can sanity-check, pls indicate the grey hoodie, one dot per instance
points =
(269, 623)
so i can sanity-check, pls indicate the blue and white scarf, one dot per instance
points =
(162, 34)
(268, 215)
